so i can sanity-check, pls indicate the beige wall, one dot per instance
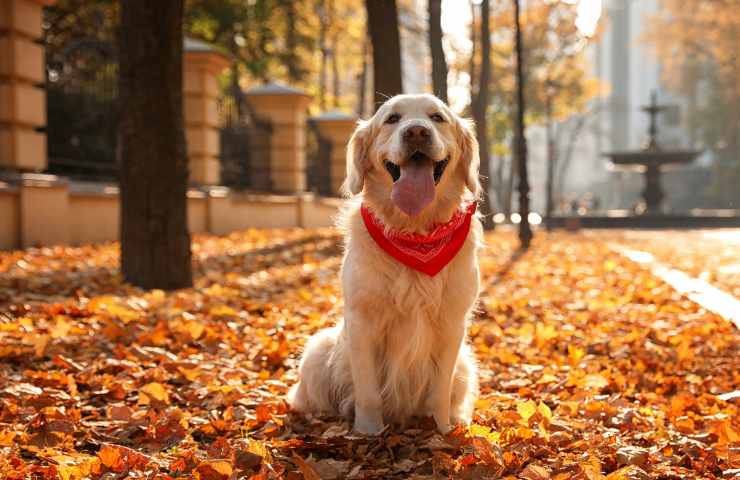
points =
(9, 223)
(42, 211)
(321, 212)
(93, 218)
(198, 213)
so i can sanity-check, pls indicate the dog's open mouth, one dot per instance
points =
(418, 157)
(414, 182)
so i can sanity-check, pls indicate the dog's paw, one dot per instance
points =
(444, 428)
(368, 425)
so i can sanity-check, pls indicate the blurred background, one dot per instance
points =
(632, 107)
(593, 62)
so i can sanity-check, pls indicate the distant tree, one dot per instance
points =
(525, 231)
(697, 44)
(155, 242)
(439, 63)
(323, 16)
(555, 54)
(479, 106)
(382, 21)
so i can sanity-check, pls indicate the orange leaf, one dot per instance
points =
(307, 470)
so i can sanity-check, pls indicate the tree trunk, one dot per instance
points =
(336, 85)
(295, 73)
(473, 50)
(480, 114)
(321, 10)
(551, 151)
(525, 231)
(155, 243)
(564, 163)
(362, 83)
(382, 22)
(513, 169)
(439, 63)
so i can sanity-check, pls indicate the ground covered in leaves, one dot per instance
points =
(591, 368)
(711, 255)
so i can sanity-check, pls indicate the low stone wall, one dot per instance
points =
(41, 210)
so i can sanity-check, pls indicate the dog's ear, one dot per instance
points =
(357, 161)
(469, 154)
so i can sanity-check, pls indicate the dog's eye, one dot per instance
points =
(437, 117)
(393, 118)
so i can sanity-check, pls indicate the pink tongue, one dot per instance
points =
(415, 189)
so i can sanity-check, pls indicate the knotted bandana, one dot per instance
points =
(426, 253)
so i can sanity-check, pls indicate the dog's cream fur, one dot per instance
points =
(401, 349)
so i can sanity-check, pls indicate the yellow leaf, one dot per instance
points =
(39, 344)
(61, 328)
(545, 333)
(114, 307)
(6, 438)
(476, 430)
(154, 391)
(544, 411)
(195, 329)
(223, 311)
(575, 354)
(75, 467)
(259, 448)
(483, 404)
(592, 468)
(627, 473)
(526, 409)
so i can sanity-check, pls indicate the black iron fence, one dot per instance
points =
(245, 144)
(82, 114)
(318, 162)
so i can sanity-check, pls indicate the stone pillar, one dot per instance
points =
(336, 127)
(22, 75)
(202, 66)
(285, 108)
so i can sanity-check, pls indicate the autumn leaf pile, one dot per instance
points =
(591, 368)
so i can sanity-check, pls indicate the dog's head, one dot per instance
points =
(413, 154)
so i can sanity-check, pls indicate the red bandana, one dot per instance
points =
(426, 253)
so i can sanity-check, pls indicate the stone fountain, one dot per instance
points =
(651, 161)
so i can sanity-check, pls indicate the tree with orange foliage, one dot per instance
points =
(697, 42)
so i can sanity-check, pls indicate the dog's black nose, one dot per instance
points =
(416, 133)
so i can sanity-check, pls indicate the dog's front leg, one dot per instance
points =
(368, 402)
(441, 393)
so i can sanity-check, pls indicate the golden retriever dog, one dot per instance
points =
(401, 349)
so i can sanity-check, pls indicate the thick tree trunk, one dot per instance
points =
(439, 62)
(525, 231)
(155, 243)
(480, 114)
(382, 22)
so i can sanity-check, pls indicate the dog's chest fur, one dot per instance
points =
(414, 316)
